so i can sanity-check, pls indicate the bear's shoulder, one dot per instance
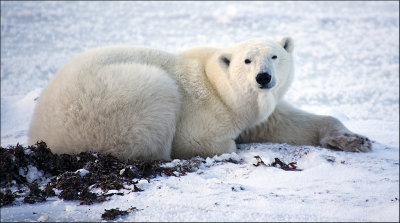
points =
(201, 53)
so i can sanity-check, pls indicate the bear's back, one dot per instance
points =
(109, 55)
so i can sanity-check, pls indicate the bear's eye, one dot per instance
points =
(274, 57)
(247, 61)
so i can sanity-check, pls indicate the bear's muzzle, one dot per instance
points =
(265, 80)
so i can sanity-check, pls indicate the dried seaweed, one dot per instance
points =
(102, 171)
(6, 197)
(278, 163)
(113, 213)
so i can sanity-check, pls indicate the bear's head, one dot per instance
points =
(254, 73)
(264, 64)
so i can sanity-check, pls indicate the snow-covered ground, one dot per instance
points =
(347, 65)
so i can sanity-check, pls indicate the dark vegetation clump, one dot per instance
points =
(72, 177)
(6, 197)
(115, 212)
(35, 194)
(278, 163)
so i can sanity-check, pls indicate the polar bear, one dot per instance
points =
(141, 103)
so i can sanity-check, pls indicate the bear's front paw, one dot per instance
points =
(349, 142)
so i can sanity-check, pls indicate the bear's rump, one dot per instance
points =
(128, 110)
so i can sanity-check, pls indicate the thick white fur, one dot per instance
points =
(290, 125)
(141, 103)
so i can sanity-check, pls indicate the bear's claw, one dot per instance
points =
(349, 142)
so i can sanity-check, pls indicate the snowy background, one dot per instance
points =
(347, 65)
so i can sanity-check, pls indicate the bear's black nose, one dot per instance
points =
(263, 79)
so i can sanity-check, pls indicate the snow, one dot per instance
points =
(43, 218)
(347, 65)
(82, 172)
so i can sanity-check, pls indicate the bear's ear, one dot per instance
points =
(224, 60)
(287, 44)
